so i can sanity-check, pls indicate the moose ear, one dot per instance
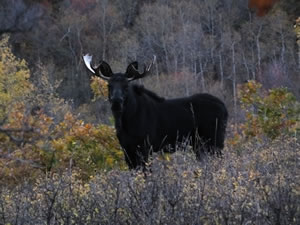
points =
(131, 69)
(105, 69)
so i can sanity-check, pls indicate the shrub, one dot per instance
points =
(86, 146)
(32, 144)
(14, 75)
(258, 186)
(268, 112)
(99, 87)
(39, 134)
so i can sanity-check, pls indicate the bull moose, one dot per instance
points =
(146, 122)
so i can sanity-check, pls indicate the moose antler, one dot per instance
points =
(103, 67)
(132, 70)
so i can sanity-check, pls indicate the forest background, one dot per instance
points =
(212, 41)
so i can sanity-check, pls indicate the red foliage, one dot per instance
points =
(262, 6)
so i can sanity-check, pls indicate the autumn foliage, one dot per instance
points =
(269, 113)
(35, 140)
(14, 74)
(258, 186)
(99, 87)
(262, 6)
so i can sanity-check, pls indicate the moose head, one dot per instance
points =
(117, 82)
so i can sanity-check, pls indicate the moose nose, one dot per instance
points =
(117, 99)
(116, 96)
(116, 104)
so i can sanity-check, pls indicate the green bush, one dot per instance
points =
(268, 112)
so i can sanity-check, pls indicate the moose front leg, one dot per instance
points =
(130, 159)
(136, 159)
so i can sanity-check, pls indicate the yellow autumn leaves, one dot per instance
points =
(268, 113)
(34, 137)
(91, 147)
(14, 75)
